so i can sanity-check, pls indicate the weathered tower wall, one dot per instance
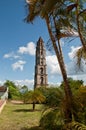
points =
(40, 78)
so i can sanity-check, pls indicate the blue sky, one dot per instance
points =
(17, 47)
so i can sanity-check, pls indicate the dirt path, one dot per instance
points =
(16, 102)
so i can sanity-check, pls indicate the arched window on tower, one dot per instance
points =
(41, 62)
(41, 70)
(41, 52)
(41, 80)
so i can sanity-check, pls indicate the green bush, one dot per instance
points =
(51, 120)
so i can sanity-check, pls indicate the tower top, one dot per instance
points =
(40, 42)
(40, 39)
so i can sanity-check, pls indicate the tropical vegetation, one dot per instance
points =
(13, 91)
(53, 115)
(63, 19)
(35, 97)
(53, 102)
(65, 106)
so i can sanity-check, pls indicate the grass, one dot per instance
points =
(20, 117)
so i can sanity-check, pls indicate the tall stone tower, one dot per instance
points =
(40, 78)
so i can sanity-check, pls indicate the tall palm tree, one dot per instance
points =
(58, 51)
(35, 8)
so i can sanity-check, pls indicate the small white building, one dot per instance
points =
(3, 92)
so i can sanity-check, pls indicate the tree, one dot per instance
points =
(24, 93)
(53, 115)
(36, 8)
(35, 97)
(81, 21)
(81, 26)
(81, 96)
(74, 84)
(13, 91)
(70, 16)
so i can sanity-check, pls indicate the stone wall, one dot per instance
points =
(2, 104)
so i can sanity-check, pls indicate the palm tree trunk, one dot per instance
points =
(33, 106)
(68, 93)
(78, 26)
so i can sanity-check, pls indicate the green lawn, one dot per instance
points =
(20, 117)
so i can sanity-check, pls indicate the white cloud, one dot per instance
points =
(29, 49)
(18, 65)
(73, 52)
(7, 55)
(11, 55)
(28, 1)
(52, 65)
(27, 82)
(1, 82)
(72, 69)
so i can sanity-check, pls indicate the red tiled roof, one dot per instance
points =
(2, 89)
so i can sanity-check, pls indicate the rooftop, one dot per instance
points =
(2, 89)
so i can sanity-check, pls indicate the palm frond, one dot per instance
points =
(48, 6)
(33, 7)
(75, 126)
(71, 7)
(31, 1)
(80, 54)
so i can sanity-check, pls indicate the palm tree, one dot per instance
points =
(35, 8)
(35, 97)
(71, 15)
(53, 115)
(81, 26)
(48, 11)
(24, 93)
